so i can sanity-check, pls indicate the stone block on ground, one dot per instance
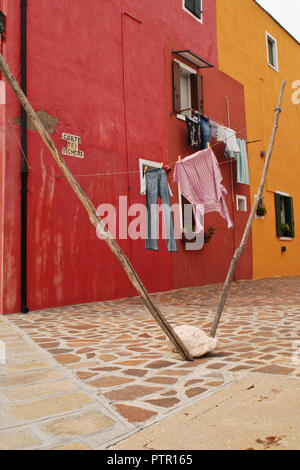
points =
(195, 340)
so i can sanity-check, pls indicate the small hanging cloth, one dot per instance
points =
(242, 163)
(194, 131)
(221, 133)
(232, 149)
(213, 128)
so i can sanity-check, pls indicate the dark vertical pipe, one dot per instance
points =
(24, 166)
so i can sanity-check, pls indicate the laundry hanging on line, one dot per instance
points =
(200, 180)
(193, 131)
(201, 129)
(167, 169)
(157, 185)
(213, 128)
(232, 149)
(242, 163)
(198, 131)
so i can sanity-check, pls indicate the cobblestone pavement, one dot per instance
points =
(87, 376)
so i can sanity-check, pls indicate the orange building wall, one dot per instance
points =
(242, 50)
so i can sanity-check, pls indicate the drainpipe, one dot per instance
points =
(24, 166)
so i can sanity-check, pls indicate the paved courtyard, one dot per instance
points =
(88, 376)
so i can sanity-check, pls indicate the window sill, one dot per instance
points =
(276, 69)
(181, 117)
(286, 239)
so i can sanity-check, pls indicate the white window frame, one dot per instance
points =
(286, 195)
(200, 20)
(150, 164)
(275, 50)
(241, 198)
(190, 71)
(282, 193)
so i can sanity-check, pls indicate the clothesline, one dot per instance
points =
(212, 146)
(237, 132)
(210, 117)
(172, 163)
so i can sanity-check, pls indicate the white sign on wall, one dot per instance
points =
(72, 146)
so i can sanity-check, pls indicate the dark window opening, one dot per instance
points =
(271, 52)
(194, 6)
(284, 216)
(187, 216)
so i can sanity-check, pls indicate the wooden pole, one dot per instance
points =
(93, 216)
(238, 252)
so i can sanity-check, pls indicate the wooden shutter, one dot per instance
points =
(290, 214)
(278, 214)
(176, 87)
(197, 92)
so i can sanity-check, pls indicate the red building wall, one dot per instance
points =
(104, 70)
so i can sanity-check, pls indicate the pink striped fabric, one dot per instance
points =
(200, 182)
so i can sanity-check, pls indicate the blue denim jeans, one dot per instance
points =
(157, 185)
(205, 132)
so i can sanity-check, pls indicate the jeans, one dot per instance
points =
(205, 132)
(157, 185)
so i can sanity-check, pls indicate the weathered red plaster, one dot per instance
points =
(104, 69)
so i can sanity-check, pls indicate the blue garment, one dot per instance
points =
(205, 132)
(157, 185)
(242, 163)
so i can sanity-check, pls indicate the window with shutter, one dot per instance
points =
(285, 226)
(187, 89)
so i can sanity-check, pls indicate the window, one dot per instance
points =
(143, 164)
(241, 203)
(272, 52)
(188, 89)
(187, 219)
(193, 241)
(193, 7)
(284, 215)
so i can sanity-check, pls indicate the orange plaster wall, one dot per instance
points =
(242, 53)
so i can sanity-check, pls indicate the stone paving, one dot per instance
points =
(87, 376)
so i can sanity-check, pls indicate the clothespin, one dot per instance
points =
(179, 158)
(162, 164)
(145, 169)
(208, 145)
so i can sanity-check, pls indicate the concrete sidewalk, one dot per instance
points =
(44, 406)
(258, 412)
(99, 376)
